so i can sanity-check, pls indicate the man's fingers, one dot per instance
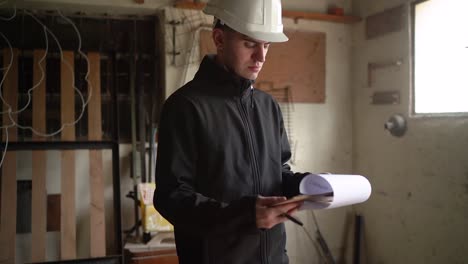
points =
(269, 201)
(268, 214)
(288, 207)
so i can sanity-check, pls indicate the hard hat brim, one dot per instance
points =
(267, 37)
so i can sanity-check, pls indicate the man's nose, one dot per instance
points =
(260, 53)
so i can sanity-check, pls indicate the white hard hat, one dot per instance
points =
(258, 19)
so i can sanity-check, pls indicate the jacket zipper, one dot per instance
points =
(251, 150)
(257, 187)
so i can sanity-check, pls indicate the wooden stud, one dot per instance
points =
(68, 96)
(94, 106)
(9, 199)
(68, 221)
(296, 15)
(97, 209)
(53, 212)
(39, 193)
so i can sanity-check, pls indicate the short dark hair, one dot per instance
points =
(219, 24)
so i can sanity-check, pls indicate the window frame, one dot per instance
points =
(413, 79)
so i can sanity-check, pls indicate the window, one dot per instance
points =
(440, 57)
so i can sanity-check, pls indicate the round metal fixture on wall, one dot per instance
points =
(396, 125)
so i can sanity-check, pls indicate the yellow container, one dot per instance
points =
(152, 221)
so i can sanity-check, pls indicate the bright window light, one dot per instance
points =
(441, 56)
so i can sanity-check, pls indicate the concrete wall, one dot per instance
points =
(418, 210)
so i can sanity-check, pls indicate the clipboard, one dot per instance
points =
(315, 198)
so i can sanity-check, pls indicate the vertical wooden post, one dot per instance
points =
(68, 217)
(8, 209)
(39, 192)
(97, 209)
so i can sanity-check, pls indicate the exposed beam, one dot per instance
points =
(296, 15)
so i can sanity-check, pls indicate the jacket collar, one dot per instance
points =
(220, 78)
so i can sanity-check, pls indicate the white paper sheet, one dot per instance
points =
(347, 189)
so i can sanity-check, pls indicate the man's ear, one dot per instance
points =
(218, 38)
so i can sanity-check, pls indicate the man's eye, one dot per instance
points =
(249, 44)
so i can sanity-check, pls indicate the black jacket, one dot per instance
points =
(221, 144)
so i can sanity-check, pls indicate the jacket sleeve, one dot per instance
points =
(176, 197)
(291, 180)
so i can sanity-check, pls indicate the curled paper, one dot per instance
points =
(347, 190)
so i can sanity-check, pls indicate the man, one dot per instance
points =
(223, 148)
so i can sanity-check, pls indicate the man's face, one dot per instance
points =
(241, 54)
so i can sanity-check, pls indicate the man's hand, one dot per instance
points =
(268, 216)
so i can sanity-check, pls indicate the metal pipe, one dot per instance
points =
(116, 161)
(133, 124)
(357, 239)
(141, 124)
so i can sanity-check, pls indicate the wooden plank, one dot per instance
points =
(168, 259)
(53, 212)
(296, 15)
(97, 210)
(39, 193)
(94, 106)
(67, 94)
(68, 221)
(9, 198)
(157, 256)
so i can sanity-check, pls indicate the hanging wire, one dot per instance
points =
(187, 33)
(40, 80)
(6, 146)
(5, 103)
(83, 55)
(66, 63)
(7, 69)
(12, 16)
